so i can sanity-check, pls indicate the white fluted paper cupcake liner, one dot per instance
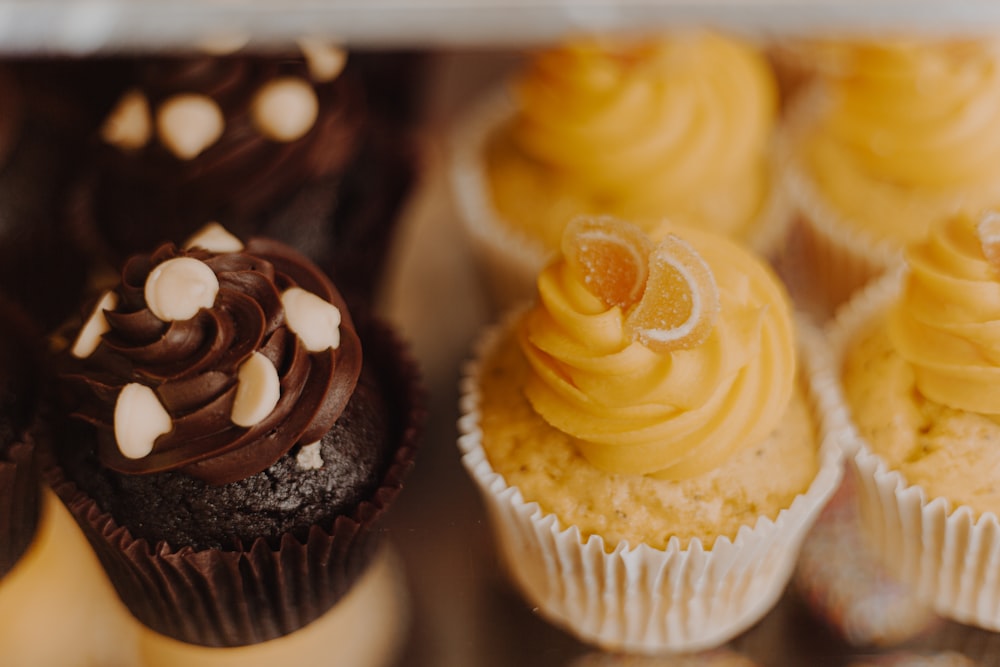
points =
(948, 556)
(637, 598)
(832, 257)
(509, 259)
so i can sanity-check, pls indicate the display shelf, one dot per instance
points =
(81, 27)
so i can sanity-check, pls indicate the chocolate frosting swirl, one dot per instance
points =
(192, 365)
(239, 179)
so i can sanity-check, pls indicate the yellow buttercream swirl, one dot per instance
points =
(911, 133)
(674, 415)
(672, 127)
(947, 321)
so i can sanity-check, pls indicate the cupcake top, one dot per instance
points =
(919, 377)
(214, 359)
(645, 130)
(660, 359)
(229, 137)
(906, 134)
(946, 324)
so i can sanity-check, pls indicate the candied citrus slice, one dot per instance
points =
(609, 256)
(988, 230)
(681, 301)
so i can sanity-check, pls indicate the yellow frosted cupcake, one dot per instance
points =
(902, 134)
(625, 430)
(676, 128)
(919, 357)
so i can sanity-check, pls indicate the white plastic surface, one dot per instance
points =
(91, 26)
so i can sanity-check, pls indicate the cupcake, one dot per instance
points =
(285, 147)
(49, 578)
(232, 438)
(624, 431)
(915, 355)
(41, 149)
(848, 589)
(676, 128)
(897, 138)
(20, 488)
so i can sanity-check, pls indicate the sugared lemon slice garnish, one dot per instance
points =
(988, 229)
(609, 257)
(681, 302)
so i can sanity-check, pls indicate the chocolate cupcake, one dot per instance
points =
(284, 147)
(20, 489)
(235, 436)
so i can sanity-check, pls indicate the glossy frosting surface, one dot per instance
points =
(677, 414)
(646, 131)
(193, 365)
(908, 134)
(947, 321)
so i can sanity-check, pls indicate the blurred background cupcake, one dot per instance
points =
(897, 135)
(628, 471)
(314, 148)
(47, 109)
(49, 577)
(229, 435)
(673, 128)
(916, 358)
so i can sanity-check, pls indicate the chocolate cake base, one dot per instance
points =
(181, 510)
(247, 593)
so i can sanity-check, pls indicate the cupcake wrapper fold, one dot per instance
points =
(949, 558)
(831, 258)
(510, 260)
(20, 502)
(637, 598)
(233, 598)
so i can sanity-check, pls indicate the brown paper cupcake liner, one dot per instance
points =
(232, 598)
(20, 501)
(509, 259)
(636, 598)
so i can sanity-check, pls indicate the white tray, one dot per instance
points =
(80, 27)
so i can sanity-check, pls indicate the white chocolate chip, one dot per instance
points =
(188, 124)
(309, 457)
(316, 322)
(95, 327)
(178, 288)
(257, 391)
(129, 125)
(140, 419)
(285, 109)
(214, 238)
(223, 43)
(325, 61)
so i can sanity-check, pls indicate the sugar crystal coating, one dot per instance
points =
(681, 301)
(610, 257)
